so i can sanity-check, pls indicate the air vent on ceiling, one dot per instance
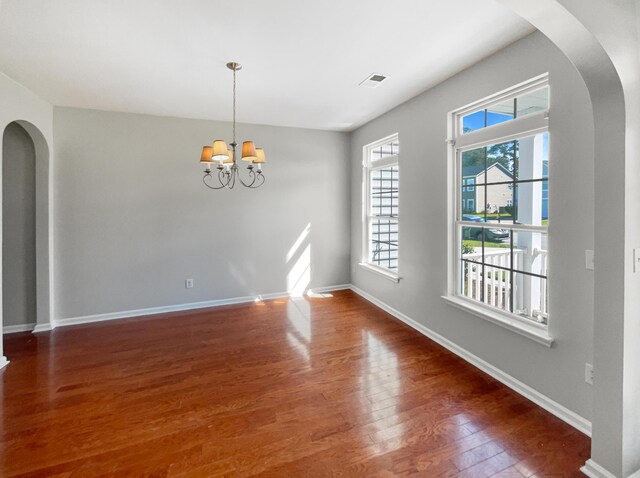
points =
(373, 80)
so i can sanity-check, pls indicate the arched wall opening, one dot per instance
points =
(26, 139)
(601, 40)
(19, 306)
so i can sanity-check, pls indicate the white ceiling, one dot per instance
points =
(302, 60)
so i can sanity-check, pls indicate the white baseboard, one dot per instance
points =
(127, 314)
(12, 329)
(3, 362)
(593, 470)
(43, 328)
(536, 397)
(331, 288)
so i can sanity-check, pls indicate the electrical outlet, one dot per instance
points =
(588, 373)
(188, 284)
(589, 259)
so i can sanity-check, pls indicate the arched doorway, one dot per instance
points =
(19, 306)
(605, 53)
(28, 159)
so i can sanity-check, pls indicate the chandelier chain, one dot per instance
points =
(234, 107)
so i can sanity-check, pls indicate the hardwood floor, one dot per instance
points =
(308, 387)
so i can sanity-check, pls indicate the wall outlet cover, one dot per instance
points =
(588, 373)
(589, 258)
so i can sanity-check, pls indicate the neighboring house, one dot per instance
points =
(498, 195)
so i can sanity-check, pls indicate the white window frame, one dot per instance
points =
(528, 125)
(368, 166)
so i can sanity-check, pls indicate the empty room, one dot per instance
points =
(287, 239)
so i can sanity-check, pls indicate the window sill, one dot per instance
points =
(537, 334)
(392, 276)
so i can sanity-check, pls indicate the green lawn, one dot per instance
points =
(494, 216)
(473, 243)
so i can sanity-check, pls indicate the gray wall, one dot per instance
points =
(18, 227)
(422, 126)
(133, 219)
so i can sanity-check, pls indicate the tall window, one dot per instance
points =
(500, 259)
(380, 211)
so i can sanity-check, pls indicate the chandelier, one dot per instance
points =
(227, 170)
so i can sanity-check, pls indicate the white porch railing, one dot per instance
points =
(544, 299)
(495, 288)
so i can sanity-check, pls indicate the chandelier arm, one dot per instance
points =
(232, 178)
(226, 175)
(208, 175)
(260, 179)
(257, 179)
(252, 176)
(222, 174)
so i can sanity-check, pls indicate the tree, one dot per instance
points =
(503, 153)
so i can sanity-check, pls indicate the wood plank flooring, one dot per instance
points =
(308, 387)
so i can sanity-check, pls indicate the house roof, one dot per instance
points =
(477, 169)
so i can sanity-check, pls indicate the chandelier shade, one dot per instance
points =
(225, 156)
(220, 150)
(259, 156)
(248, 151)
(207, 154)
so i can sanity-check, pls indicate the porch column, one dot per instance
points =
(529, 203)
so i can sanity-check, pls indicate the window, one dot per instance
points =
(380, 211)
(471, 205)
(531, 101)
(468, 184)
(499, 259)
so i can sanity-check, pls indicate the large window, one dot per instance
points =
(380, 206)
(500, 252)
